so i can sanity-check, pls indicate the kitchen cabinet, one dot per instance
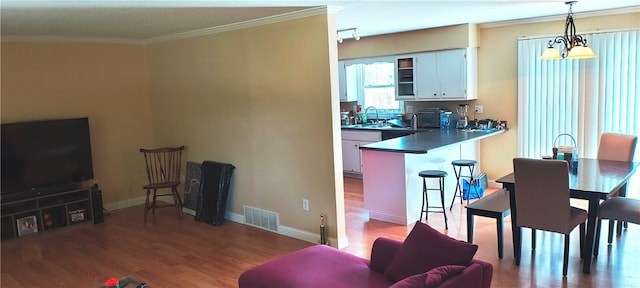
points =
(345, 94)
(442, 75)
(406, 73)
(351, 154)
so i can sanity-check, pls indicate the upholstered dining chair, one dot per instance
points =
(163, 172)
(539, 183)
(616, 147)
(617, 208)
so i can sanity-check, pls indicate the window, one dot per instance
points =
(379, 89)
(581, 97)
(373, 80)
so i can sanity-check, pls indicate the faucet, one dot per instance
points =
(374, 108)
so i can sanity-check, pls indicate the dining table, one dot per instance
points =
(593, 180)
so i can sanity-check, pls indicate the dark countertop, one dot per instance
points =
(430, 139)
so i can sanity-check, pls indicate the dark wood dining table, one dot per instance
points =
(592, 180)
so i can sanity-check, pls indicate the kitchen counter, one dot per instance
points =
(430, 139)
(391, 185)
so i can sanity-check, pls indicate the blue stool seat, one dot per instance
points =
(432, 173)
(425, 199)
(464, 162)
(459, 164)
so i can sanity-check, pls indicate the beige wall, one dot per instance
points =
(497, 69)
(261, 99)
(107, 83)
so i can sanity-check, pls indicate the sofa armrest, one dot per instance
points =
(382, 253)
(477, 274)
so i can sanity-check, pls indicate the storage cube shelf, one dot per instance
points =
(52, 211)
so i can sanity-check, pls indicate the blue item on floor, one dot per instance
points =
(474, 195)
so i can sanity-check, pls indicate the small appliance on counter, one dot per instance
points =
(429, 117)
(464, 120)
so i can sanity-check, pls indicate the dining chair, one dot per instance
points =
(542, 200)
(617, 208)
(163, 172)
(616, 147)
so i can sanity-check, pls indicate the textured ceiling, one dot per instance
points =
(141, 20)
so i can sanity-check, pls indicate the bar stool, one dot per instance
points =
(425, 199)
(459, 164)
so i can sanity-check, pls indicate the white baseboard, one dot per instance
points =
(494, 184)
(124, 204)
(293, 232)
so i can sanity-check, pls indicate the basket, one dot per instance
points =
(567, 151)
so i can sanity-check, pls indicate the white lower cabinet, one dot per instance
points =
(351, 142)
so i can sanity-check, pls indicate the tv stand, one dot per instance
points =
(46, 211)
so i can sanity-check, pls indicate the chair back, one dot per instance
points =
(163, 166)
(542, 194)
(617, 147)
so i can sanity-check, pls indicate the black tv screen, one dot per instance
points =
(44, 154)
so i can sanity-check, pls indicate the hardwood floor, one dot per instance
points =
(172, 252)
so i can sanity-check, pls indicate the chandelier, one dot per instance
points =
(574, 46)
(353, 35)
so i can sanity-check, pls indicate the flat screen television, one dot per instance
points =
(40, 157)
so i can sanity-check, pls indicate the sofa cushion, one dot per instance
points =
(415, 281)
(437, 275)
(424, 249)
(432, 278)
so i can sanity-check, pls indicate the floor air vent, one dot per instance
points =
(261, 218)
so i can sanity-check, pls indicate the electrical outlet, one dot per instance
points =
(409, 109)
(305, 204)
(478, 109)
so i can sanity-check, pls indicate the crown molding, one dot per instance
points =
(68, 39)
(315, 11)
(608, 12)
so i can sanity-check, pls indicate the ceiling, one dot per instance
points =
(144, 20)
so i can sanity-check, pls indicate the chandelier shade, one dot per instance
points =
(572, 46)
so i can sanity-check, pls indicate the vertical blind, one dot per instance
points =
(583, 98)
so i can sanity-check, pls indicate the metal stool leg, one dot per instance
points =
(458, 191)
(471, 184)
(425, 200)
(441, 181)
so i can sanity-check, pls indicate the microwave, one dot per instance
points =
(429, 117)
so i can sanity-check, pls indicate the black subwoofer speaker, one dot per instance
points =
(96, 202)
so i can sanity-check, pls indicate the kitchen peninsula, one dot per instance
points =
(391, 185)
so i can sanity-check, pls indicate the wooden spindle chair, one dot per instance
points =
(163, 172)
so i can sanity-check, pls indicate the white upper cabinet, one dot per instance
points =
(346, 94)
(443, 75)
(406, 73)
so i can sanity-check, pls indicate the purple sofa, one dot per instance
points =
(324, 266)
